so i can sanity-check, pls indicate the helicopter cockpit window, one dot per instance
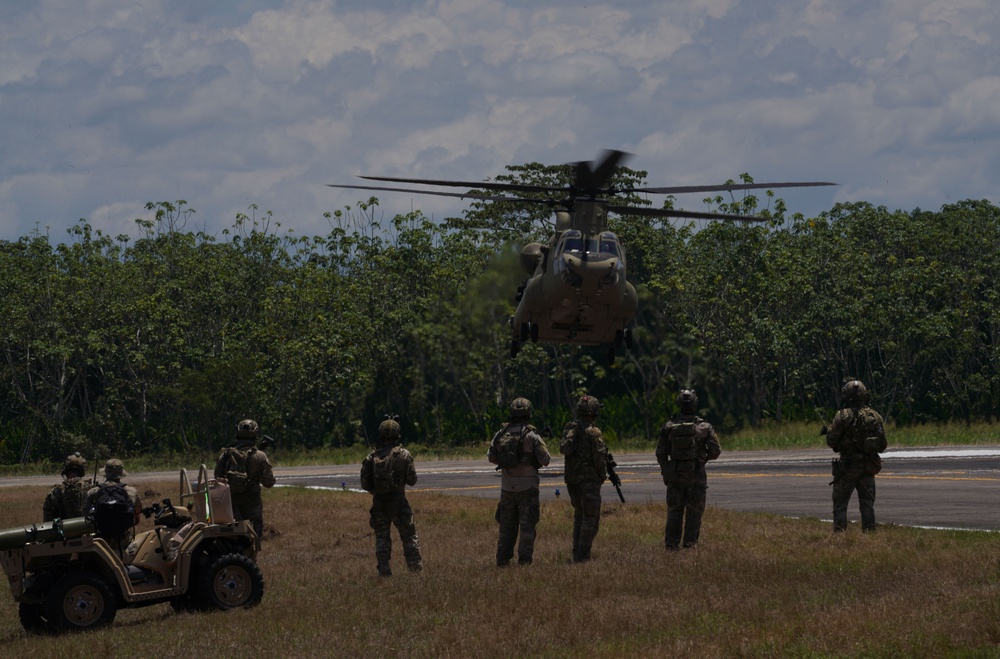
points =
(573, 242)
(609, 244)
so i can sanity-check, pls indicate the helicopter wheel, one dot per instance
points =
(524, 332)
(628, 338)
(514, 347)
(611, 355)
(534, 332)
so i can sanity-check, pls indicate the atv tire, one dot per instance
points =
(80, 600)
(231, 581)
(32, 617)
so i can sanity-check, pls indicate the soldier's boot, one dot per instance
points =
(415, 567)
(384, 570)
(867, 518)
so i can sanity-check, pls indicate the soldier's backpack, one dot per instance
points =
(384, 478)
(683, 454)
(235, 472)
(113, 511)
(510, 448)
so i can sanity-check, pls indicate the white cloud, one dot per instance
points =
(104, 106)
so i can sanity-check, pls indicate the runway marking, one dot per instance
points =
(880, 476)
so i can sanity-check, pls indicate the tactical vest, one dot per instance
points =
(74, 497)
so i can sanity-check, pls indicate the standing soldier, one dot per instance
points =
(586, 470)
(67, 499)
(518, 451)
(246, 469)
(386, 472)
(858, 435)
(686, 442)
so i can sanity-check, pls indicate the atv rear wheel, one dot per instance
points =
(33, 617)
(232, 581)
(80, 600)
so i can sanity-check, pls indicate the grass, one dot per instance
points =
(759, 585)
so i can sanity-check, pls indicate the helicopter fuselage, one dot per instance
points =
(577, 293)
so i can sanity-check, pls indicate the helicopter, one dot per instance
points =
(577, 291)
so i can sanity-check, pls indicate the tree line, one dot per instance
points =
(162, 342)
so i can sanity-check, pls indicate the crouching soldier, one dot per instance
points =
(386, 472)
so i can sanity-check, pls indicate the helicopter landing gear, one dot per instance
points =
(533, 330)
(515, 346)
(628, 338)
(525, 329)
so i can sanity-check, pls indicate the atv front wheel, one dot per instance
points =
(232, 581)
(80, 600)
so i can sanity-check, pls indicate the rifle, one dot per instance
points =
(824, 429)
(613, 477)
(266, 442)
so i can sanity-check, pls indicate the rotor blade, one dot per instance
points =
(681, 189)
(694, 215)
(483, 185)
(460, 195)
(589, 179)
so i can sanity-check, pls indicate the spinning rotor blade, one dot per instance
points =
(694, 215)
(484, 185)
(681, 189)
(460, 195)
(590, 180)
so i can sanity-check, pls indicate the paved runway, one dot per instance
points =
(951, 487)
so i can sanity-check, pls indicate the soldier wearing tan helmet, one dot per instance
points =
(247, 469)
(858, 435)
(586, 469)
(518, 451)
(67, 499)
(114, 472)
(386, 472)
(685, 443)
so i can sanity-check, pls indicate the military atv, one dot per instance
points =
(66, 576)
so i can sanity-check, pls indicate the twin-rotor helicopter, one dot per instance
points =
(576, 291)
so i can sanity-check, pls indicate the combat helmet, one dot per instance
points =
(75, 462)
(247, 429)
(588, 406)
(114, 470)
(389, 429)
(855, 394)
(520, 409)
(687, 400)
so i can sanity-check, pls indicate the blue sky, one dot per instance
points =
(106, 105)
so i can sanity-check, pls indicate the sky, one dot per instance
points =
(107, 105)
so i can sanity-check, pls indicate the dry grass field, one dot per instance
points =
(758, 586)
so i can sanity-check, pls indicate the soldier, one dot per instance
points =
(518, 451)
(858, 435)
(246, 469)
(386, 472)
(67, 499)
(112, 490)
(114, 472)
(586, 470)
(685, 443)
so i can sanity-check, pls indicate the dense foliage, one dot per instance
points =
(163, 342)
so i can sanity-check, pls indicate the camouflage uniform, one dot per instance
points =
(684, 445)
(858, 435)
(67, 499)
(391, 507)
(586, 469)
(519, 508)
(248, 505)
